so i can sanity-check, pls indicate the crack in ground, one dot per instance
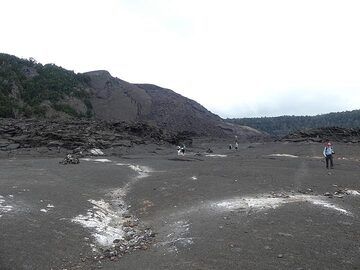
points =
(114, 229)
(4, 208)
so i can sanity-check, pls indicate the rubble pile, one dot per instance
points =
(134, 239)
(341, 192)
(81, 135)
(70, 159)
(338, 134)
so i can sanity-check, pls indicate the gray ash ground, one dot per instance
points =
(265, 206)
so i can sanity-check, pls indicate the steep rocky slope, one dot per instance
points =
(30, 89)
(175, 112)
(115, 99)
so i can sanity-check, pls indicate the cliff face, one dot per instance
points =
(115, 99)
(30, 89)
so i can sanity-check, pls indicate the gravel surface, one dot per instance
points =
(265, 206)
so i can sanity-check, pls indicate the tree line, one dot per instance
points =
(283, 125)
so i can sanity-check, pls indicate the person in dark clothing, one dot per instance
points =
(328, 154)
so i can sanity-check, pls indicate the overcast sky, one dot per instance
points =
(238, 58)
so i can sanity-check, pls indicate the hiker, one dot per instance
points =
(230, 146)
(328, 152)
(236, 142)
(182, 149)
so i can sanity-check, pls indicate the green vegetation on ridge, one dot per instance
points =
(26, 85)
(282, 125)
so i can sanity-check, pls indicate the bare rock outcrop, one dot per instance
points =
(79, 135)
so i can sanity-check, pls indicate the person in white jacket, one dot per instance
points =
(328, 152)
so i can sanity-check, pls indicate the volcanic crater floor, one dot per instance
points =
(264, 206)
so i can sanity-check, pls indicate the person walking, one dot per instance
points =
(236, 142)
(182, 150)
(328, 154)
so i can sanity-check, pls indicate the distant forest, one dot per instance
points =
(283, 125)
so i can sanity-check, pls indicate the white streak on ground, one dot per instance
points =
(103, 218)
(194, 178)
(43, 210)
(352, 192)
(4, 208)
(178, 233)
(249, 203)
(97, 159)
(215, 155)
(325, 204)
(142, 171)
(96, 152)
(50, 206)
(267, 202)
(283, 155)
